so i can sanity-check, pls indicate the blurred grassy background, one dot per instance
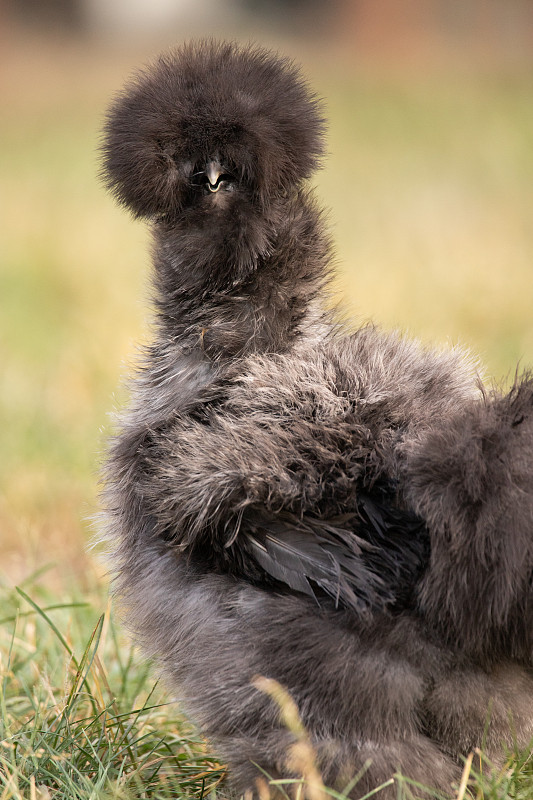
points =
(430, 186)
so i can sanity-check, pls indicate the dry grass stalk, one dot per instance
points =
(301, 758)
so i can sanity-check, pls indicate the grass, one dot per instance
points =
(79, 717)
(430, 185)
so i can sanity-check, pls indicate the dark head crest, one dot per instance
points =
(211, 112)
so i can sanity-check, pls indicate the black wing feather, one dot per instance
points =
(367, 559)
(304, 555)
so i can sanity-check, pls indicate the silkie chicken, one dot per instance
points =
(348, 514)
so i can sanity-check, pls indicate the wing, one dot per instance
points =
(369, 559)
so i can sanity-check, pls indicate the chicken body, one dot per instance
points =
(348, 514)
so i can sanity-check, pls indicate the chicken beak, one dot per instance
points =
(213, 171)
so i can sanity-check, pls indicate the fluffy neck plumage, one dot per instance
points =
(230, 284)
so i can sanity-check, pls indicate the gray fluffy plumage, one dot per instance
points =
(349, 514)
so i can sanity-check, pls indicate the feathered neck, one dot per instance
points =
(248, 282)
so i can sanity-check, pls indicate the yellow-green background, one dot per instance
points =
(429, 182)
